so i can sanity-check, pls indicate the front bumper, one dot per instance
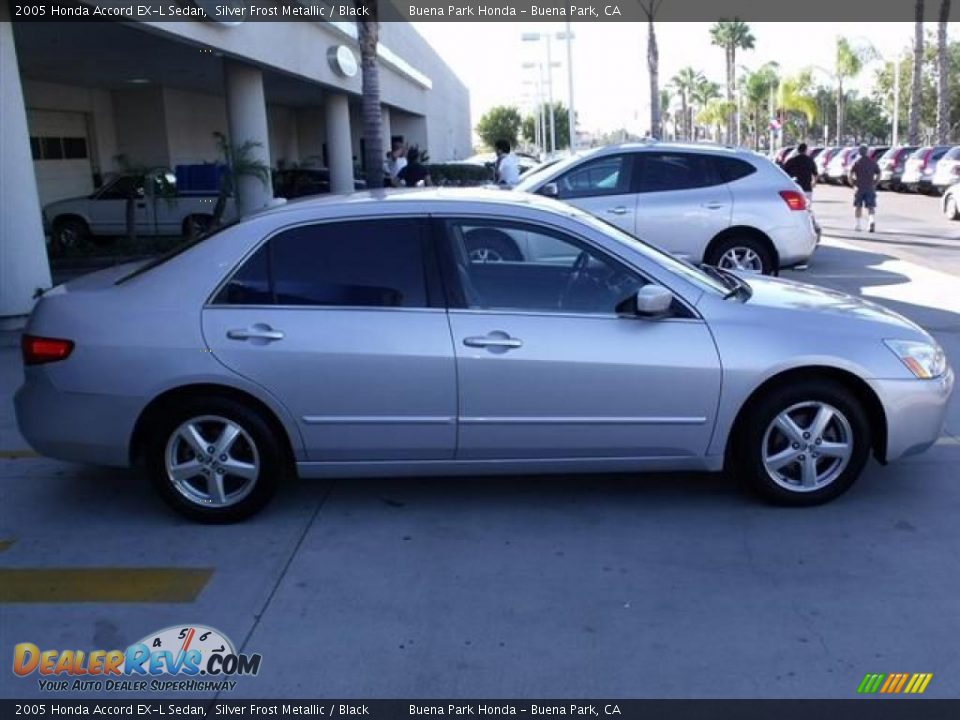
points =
(915, 412)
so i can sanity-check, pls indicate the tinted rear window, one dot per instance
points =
(361, 263)
(953, 154)
(731, 169)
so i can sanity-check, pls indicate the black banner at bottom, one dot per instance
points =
(854, 709)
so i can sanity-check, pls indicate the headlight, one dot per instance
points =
(925, 360)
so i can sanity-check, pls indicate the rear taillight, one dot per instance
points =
(794, 200)
(39, 350)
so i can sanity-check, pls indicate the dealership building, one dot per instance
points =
(81, 100)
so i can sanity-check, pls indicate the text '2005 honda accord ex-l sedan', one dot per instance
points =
(357, 336)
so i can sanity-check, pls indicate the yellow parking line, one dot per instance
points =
(18, 454)
(120, 585)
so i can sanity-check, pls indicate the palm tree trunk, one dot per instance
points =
(840, 108)
(368, 32)
(913, 132)
(653, 65)
(731, 66)
(943, 87)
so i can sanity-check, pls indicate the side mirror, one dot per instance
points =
(550, 190)
(650, 301)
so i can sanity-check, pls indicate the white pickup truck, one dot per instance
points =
(158, 210)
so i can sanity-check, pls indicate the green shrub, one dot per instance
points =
(459, 174)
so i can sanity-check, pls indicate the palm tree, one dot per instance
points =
(650, 8)
(849, 63)
(943, 86)
(913, 130)
(703, 94)
(239, 161)
(684, 82)
(731, 35)
(368, 32)
(665, 99)
(758, 89)
(795, 97)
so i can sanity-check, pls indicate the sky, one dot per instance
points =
(610, 80)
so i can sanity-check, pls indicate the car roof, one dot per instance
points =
(401, 199)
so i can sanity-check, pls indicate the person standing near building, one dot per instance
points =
(507, 171)
(414, 174)
(803, 170)
(864, 174)
(396, 161)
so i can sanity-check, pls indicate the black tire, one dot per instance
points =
(717, 251)
(752, 441)
(491, 245)
(200, 225)
(951, 208)
(267, 449)
(68, 233)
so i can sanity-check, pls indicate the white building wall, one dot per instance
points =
(191, 119)
(140, 118)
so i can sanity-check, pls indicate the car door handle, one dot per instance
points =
(494, 341)
(618, 210)
(713, 205)
(255, 333)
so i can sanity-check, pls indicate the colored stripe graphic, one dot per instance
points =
(894, 683)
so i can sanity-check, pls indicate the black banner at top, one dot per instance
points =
(232, 12)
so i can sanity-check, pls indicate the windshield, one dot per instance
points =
(667, 261)
(530, 182)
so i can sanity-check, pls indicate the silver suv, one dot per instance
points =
(723, 206)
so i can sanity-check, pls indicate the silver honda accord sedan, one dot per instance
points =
(359, 336)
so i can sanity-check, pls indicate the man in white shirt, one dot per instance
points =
(508, 168)
(397, 162)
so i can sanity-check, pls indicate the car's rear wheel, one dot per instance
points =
(803, 443)
(950, 208)
(69, 233)
(214, 459)
(745, 253)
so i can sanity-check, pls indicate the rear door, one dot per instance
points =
(602, 187)
(344, 323)
(683, 201)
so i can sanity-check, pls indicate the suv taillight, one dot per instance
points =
(794, 200)
(39, 350)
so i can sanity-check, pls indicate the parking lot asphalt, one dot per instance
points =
(613, 587)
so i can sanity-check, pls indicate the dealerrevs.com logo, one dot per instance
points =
(177, 658)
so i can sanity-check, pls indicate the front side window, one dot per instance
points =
(359, 263)
(548, 271)
(665, 171)
(607, 175)
(123, 188)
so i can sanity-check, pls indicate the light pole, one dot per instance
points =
(571, 113)
(896, 99)
(537, 37)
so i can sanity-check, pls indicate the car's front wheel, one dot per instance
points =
(803, 443)
(68, 233)
(214, 459)
(747, 254)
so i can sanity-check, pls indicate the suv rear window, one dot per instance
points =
(731, 169)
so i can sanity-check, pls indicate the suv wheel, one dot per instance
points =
(214, 460)
(742, 253)
(804, 443)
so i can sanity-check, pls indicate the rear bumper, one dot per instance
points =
(796, 242)
(78, 427)
(915, 411)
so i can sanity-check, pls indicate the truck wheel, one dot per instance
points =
(69, 233)
(196, 225)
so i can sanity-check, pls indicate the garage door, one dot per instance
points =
(61, 154)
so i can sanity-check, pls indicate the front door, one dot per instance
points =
(108, 211)
(343, 323)
(548, 369)
(602, 187)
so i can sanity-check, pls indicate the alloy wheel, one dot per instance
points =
(807, 446)
(212, 461)
(741, 258)
(485, 255)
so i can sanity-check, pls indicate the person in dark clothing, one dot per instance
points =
(414, 173)
(865, 173)
(802, 169)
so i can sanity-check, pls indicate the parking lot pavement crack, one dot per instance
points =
(283, 572)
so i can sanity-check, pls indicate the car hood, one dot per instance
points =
(62, 202)
(821, 304)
